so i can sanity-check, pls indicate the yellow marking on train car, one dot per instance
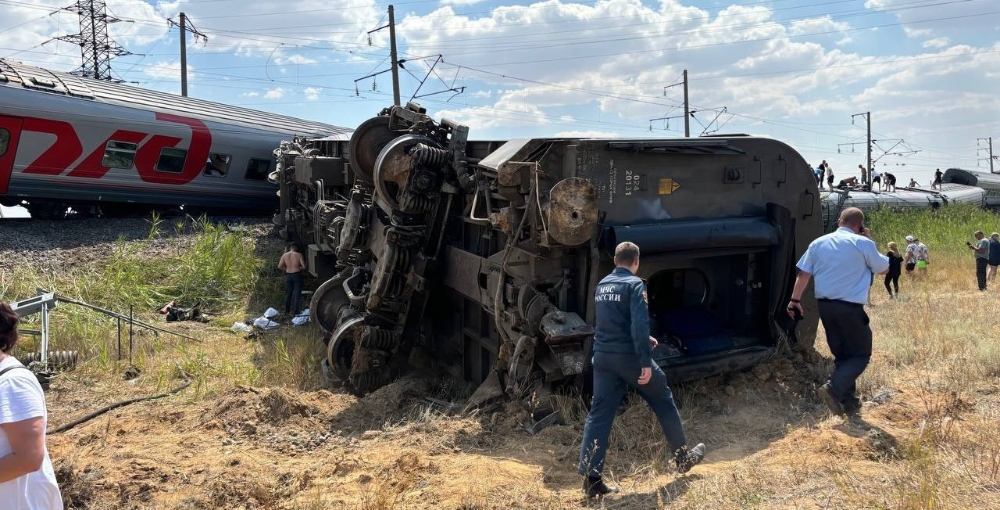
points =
(668, 186)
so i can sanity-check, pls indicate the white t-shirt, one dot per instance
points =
(21, 398)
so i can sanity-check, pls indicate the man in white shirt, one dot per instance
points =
(842, 264)
(876, 179)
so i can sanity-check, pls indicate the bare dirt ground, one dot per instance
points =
(247, 435)
(276, 448)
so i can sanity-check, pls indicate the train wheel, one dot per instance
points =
(366, 143)
(392, 168)
(340, 349)
(327, 302)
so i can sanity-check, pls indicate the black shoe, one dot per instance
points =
(831, 402)
(687, 460)
(595, 487)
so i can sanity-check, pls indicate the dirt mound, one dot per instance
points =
(275, 417)
(273, 406)
(387, 404)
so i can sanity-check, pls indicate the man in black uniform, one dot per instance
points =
(937, 179)
(623, 358)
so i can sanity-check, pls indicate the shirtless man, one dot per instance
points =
(293, 264)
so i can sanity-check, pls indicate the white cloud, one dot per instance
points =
(294, 60)
(312, 93)
(937, 42)
(168, 71)
(588, 68)
(461, 2)
(819, 25)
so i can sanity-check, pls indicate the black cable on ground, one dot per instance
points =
(123, 403)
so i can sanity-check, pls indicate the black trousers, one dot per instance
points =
(293, 292)
(981, 272)
(894, 279)
(850, 339)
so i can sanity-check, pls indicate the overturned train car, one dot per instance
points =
(486, 253)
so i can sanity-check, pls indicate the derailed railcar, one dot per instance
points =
(988, 182)
(486, 254)
(901, 199)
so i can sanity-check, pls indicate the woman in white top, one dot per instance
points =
(27, 481)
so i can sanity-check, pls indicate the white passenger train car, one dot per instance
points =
(96, 146)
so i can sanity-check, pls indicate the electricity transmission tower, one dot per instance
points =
(96, 47)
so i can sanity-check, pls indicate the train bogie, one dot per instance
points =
(487, 253)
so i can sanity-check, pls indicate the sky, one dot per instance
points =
(800, 71)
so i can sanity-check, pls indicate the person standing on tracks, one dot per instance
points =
(981, 252)
(842, 264)
(294, 265)
(27, 480)
(895, 269)
(623, 358)
(994, 260)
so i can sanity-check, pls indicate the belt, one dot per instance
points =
(839, 301)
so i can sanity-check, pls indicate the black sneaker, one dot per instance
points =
(595, 487)
(692, 457)
(831, 402)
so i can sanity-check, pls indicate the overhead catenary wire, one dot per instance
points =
(243, 35)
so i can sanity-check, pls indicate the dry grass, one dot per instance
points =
(245, 435)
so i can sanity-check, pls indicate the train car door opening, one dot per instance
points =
(10, 133)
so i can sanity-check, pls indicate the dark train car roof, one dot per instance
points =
(971, 178)
(15, 74)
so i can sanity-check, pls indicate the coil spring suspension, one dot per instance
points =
(403, 257)
(410, 203)
(396, 286)
(377, 338)
(430, 156)
(57, 359)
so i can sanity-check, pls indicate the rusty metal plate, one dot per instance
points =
(572, 213)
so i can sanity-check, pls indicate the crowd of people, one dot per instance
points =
(881, 181)
(916, 258)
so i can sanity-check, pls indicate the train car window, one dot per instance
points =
(4, 141)
(257, 169)
(171, 160)
(217, 165)
(119, 154)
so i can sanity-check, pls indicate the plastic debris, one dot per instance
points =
(265, 323)
(239, 326)
(270, 313)
(301, 318)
